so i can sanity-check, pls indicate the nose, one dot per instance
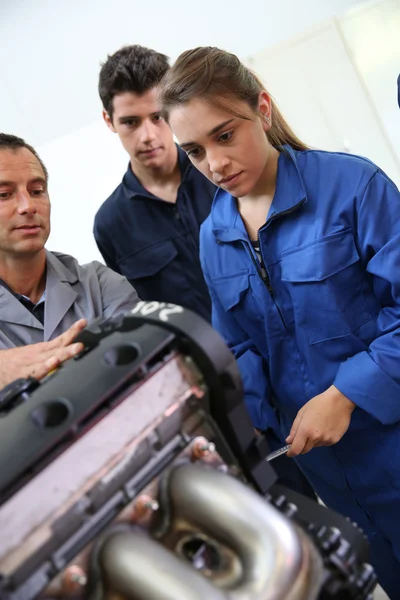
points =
(147, 132)
(26, 203)
(217, 160)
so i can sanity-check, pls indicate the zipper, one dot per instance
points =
(262, 271)
(266, 281)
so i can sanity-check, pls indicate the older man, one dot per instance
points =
(44, 295)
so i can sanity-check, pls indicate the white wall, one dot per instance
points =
(337, 83)
(85, 166)
(50, 52)
(373, 39)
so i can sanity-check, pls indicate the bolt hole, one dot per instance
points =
(121, 355)
(50, 414)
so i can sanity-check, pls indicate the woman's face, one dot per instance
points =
(230, 151)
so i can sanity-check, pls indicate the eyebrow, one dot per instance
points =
(38, 180)
(213, 131)
(133, 117)
(30, 182)
(127, 118)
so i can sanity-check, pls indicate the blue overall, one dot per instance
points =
(326, 311)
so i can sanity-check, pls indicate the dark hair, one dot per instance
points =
(14, 143)
(130, 69)
(220, 78)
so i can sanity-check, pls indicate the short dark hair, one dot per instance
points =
(131, 69)
(14, 143)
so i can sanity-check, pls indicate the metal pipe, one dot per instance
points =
(276, 561)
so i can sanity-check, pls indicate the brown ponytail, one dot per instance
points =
(220, 78)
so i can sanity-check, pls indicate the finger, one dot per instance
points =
(54, 359)
(73, 331)
(292, 433)
(309, 446)
(68, 336)
(40, 370)
(60, 354)
(80, 324)
(70, 351)
(298, 444)
(294, 428)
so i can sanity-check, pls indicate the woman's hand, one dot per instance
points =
(323, 421)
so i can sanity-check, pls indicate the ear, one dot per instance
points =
(108, 121)
(265, 109)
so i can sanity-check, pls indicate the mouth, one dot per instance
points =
(229, 181)
(28, 228)
(150, 151)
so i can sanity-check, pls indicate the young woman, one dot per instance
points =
(301, 254)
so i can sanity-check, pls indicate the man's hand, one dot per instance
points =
(323, 421)
(36, 360)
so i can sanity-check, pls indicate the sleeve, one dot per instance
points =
(252, 367)
(103, 244)
(371, 379)
(117, 294)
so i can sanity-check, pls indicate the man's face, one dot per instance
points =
(144, 134)
(24, 203)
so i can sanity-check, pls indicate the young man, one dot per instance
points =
(43, 295)
(148, 229)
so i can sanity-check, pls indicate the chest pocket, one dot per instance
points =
(236, 297)
(155, 272)
(324, 281)
(231, 289)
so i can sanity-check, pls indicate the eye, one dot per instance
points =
(157, 117)
(194, 153)
(225, 137)
(4, 195)
(130, 123)
(38, 192)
